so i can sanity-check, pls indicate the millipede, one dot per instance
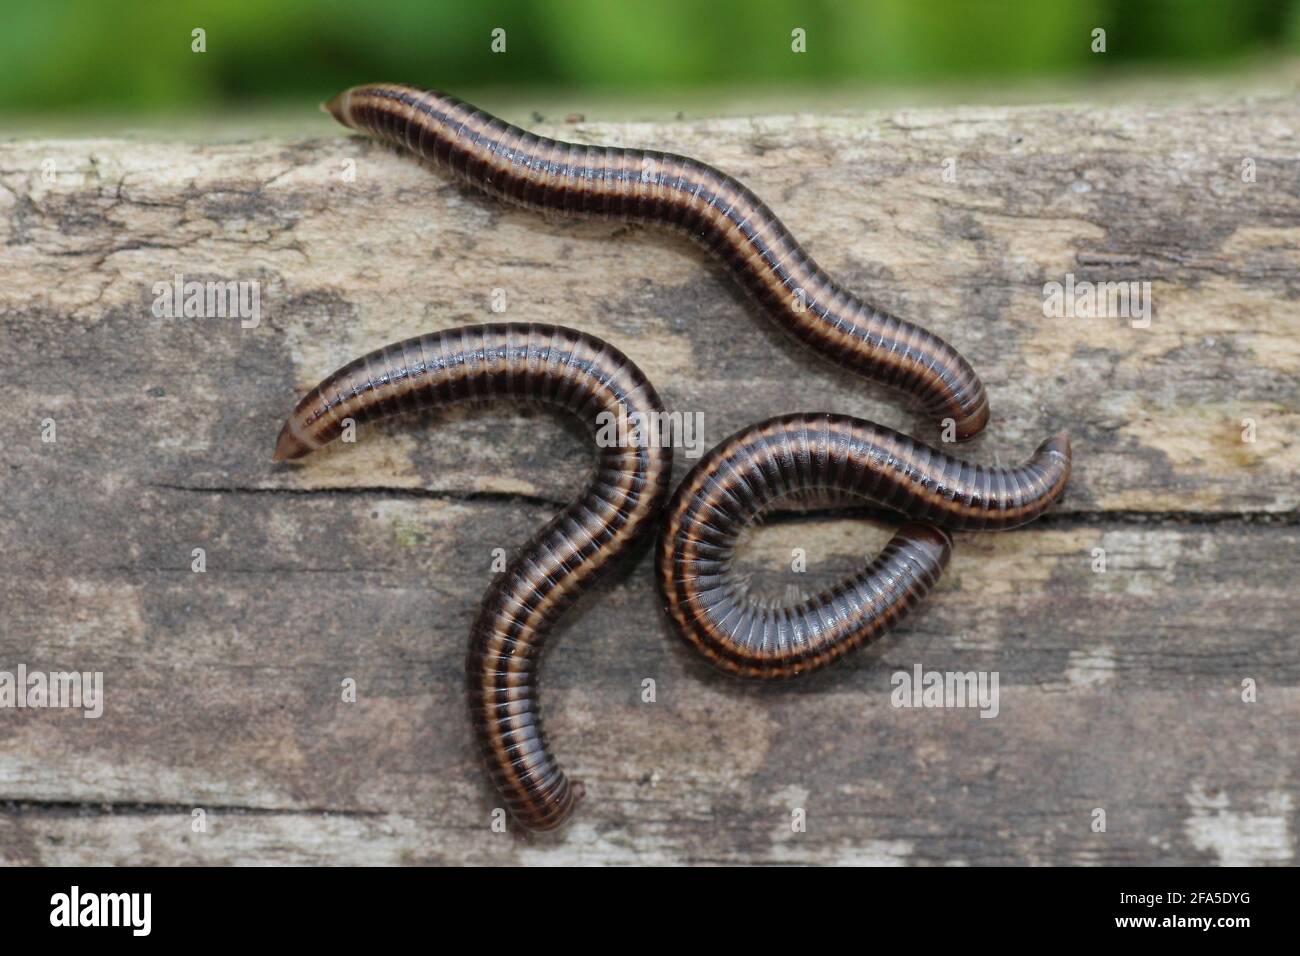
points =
(686, 195)
(731, 485)
(528, 362)
(707, 602)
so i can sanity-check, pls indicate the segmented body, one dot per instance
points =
(733, 483)
(536, 363)
(684, 194)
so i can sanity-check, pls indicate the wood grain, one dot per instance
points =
(1120, 690)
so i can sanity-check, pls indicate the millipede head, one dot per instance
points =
(340, 107)
(1058, 444)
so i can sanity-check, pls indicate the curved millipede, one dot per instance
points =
(689, 196)
(735, 481)
(534, 363)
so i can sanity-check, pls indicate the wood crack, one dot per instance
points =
(100, 808)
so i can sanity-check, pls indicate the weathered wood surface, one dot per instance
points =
(1120, 690)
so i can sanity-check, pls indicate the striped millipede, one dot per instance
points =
(713, 208)
(537, 363)
(735, 481)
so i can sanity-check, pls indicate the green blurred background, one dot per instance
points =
(134, 59)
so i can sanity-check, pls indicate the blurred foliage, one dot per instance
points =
(80, 54)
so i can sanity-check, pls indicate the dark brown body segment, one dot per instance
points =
(732, 484)
(714, 209)
(537, 363)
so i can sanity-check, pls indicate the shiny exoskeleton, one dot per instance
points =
(535, 363)
(714, 209)
(733, 483)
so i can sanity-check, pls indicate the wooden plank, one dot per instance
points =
(1120, 690)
